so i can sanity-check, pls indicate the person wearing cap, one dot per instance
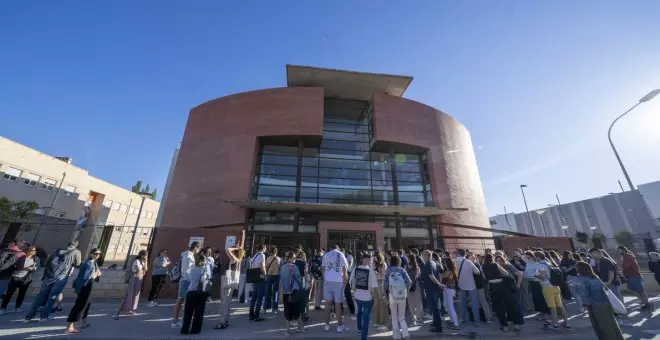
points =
(88, 273)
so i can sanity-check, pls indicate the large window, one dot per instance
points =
(342, 169)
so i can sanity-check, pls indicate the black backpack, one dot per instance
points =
(8, 260)
(556, 276)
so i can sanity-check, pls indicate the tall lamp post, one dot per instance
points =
(644, 99)
(144, 195)
(529, 217)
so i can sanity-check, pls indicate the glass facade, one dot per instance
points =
(342, 170)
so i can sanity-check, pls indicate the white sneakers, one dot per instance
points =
(177, 324)
(152, 304)
(326, 327)
(342, 329)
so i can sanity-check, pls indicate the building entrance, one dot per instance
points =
(284, 241)
(353, 241)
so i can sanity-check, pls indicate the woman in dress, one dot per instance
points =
(593, 294)
(235, 256)
(158, 276)
(88, 273)
(129, 303)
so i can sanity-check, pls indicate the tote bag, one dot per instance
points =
(617, 305)
(231, 278)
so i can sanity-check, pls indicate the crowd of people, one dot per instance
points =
(384, 290)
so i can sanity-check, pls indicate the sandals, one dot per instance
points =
(74, 331)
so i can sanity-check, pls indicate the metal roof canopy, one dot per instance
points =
(347, 84)
(358, 209)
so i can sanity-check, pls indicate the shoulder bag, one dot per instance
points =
(254, 275)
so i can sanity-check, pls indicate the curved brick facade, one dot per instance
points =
(219, 150)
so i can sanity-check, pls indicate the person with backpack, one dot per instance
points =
(364, 285)
(181, 274)
(8, 259)
(20, 279)
(56, 275)
(196, 295)
(550, 278)
(258, 266)
(395, 290)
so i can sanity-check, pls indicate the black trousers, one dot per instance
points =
(537, 297)
(193, 312)
(505, 304)
(11, 288)
(349, 299)
(81, 306)
(157, 282)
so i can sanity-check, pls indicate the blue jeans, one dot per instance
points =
(50, 292)
(432, 298)
(474, 301)
(363, 316)
(258, 293)
(272, 290)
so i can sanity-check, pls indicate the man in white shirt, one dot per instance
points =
(187, 264)
(335, 276)
(364, 285)
(466, 271)
(259, 288)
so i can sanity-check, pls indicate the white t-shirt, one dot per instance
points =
(466, 276)
(361, 294)
(333, 262)
(187, 264)
(257, 261)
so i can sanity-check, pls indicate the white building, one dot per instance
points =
(67, 192)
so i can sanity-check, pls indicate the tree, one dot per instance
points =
(598, 240)
(154, 194)
(137, 187)
(17, 211)
(582, 237)
(624, 238)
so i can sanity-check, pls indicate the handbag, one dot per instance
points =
(254, 275)
(296, 295)
(617, 305)
(231, 278)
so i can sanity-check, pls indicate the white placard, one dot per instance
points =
(230, 242)
(198, 239)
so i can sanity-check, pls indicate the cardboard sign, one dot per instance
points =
(230, 242)
(198, 239)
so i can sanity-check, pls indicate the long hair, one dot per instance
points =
(450, 266)
(584, 269)
(142, 256)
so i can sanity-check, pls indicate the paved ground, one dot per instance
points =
(154, 323)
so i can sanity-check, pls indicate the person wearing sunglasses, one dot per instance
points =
(88, 273)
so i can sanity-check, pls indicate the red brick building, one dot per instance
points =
(336, 157)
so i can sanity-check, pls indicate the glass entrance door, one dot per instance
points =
(353, 241)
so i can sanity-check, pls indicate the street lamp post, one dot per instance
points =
(644, 99)
(529, 217)
(144, 195)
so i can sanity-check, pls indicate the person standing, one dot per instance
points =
(608, 273)
(129, 303)
(654, 265)
(20, 279)
(88, 273)
(301, 264)
(235, 255)
(481, 287)
(185, 266)
(8, 259)
(567, 266)
(468, 287)
(449, 279)
(501, 290)
(56, 275)
(364, 285)
(291, 283)
(414, 298)
(273, 263)
(380, 310)
(335, 276)
(158, 276)
(630, 269)
(196, 295)
(593, 294)
(395, 290)
(551, 292)
(244, 288)
(316, 272)
(258, 261)
(433, 288)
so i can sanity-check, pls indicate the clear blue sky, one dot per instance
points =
(537, 82)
